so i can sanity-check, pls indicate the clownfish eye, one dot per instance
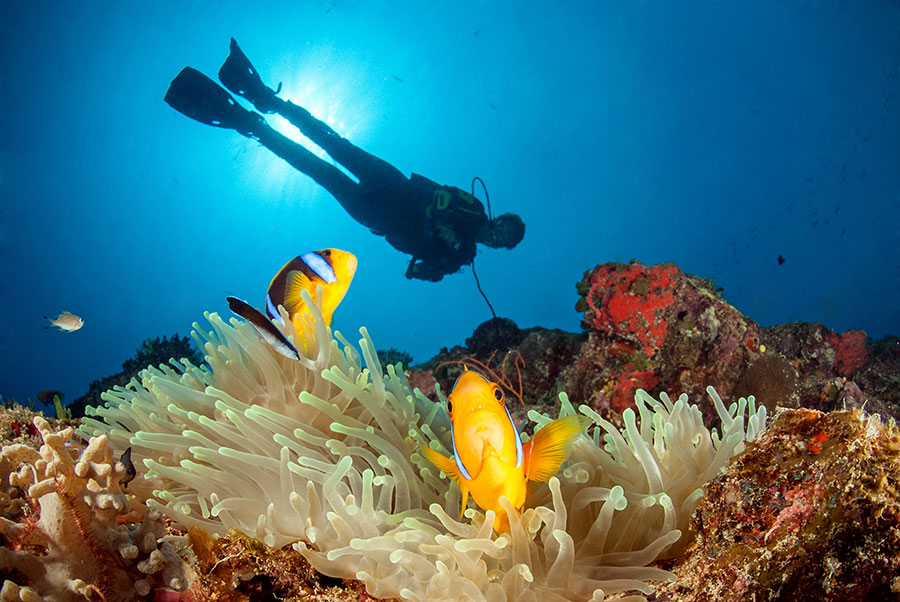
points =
(498, 394)
(449, 406)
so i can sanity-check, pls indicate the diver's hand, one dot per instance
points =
(421, 270)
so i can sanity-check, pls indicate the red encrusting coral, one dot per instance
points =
(628, 300)
(850, 353)
(627, 383)
(656, 328)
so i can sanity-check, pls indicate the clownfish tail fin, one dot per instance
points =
(549, 447)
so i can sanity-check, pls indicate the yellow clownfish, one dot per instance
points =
(332, 269)
(489, 459)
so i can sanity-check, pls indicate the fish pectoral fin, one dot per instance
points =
(549, 447)
(448, 467)
(296, 281)
(445, 464)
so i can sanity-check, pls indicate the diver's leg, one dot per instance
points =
(363, 165)
(239, 76)
(339, 185)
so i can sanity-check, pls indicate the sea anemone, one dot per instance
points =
(323, 453)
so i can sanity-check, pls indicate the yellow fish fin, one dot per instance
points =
(464, 496)
(445, 464)
(549, 447)
(448, 467)
(296, 282)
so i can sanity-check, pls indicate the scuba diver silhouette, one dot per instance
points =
(438, 225)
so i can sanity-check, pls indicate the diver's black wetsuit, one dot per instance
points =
(435, 224)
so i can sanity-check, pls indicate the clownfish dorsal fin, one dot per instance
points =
(549, 447)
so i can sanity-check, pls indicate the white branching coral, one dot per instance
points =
(60, 527)
(324, 453)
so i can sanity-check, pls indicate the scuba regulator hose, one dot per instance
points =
(490, 217)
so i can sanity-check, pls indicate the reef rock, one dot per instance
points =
(658, 329)
(239, 568)
(809, 511)
(529, 362)
(835, 371)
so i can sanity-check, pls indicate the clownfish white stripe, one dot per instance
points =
(273, 311)
(519, 452)
(462, 469)
(318, 265)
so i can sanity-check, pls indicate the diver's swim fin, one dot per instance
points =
(195, 95)
(239, 76)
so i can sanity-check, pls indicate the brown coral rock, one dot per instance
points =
(237, 568)
(810, 511)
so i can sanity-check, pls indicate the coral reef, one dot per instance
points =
(532, 359)
(655, 328)
(17, 425)
(810, 511)
(319, 461)
(152, 352)
(494, 334)
(237, 568)
(158, 350)
(880, 376)
(61, 532)
(323, 453)
(395, 356)
(837, 370)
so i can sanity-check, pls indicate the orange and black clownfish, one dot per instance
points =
(332, 269)
(489, 459)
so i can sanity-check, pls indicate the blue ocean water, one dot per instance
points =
(716, 135)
